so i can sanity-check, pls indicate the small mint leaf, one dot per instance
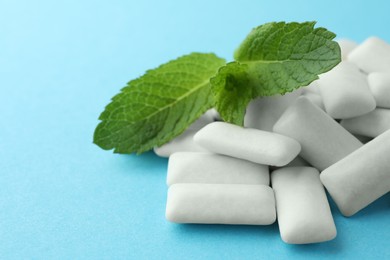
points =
(275, 58)
(230, 100)
(158, 106)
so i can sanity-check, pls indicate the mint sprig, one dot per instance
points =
(275, 58)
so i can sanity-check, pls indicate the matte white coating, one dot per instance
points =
(249, 144)
(191, 167)
(345, 91)
(346, 47)
(312, 87)
(221, 204)
(304, 214)
(322, 139)
(371, 124)
(373, 55)
(360, 178)
(379, 83)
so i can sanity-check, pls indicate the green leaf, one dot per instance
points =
(229, 97)
(275, 58)
(158, 106)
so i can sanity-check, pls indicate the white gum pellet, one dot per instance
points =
(346, 47)
(379, 83)
(371, 124)
(262, 113)
(373, 55)
(190, 167)
(322, 139)
(345, 92)
(221, 204)
(248, 144)
(360, 178)
(304, 214)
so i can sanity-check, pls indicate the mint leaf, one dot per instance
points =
(275, 58)
(232, 90)
(158, 106)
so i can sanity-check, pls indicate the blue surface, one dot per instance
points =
(61, 197)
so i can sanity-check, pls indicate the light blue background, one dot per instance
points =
(61, 197)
